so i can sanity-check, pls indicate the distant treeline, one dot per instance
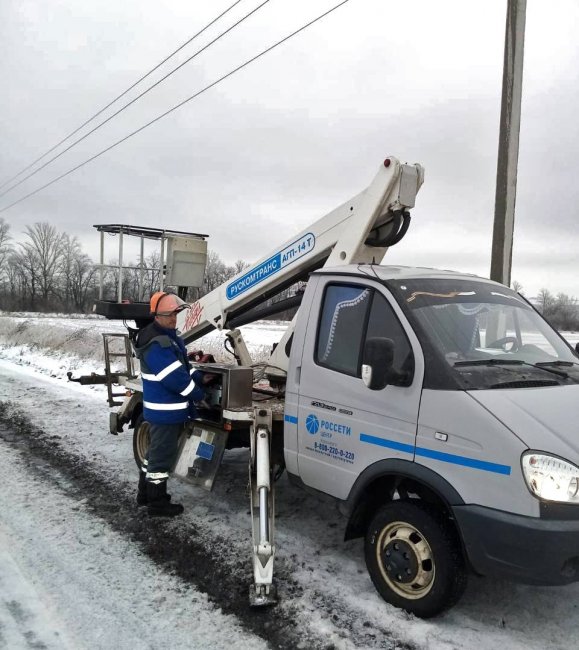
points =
(49, 272)
(562, 311)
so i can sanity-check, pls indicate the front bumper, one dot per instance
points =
(524, 549)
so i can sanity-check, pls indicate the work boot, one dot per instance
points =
(142, 499)
(158, 504)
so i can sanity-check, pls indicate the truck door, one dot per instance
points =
(343, 426)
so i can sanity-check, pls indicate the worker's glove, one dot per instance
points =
(198, 356)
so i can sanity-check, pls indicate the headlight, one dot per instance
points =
(551, 478)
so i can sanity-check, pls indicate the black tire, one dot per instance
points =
(141, 440)
(414, 558)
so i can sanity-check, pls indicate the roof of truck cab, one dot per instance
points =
(396, 272)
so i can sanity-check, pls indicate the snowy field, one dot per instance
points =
(72, 576)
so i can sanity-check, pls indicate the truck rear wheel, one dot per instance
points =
(141, 440)
(414, 558)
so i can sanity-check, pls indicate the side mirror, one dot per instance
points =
(377, 361)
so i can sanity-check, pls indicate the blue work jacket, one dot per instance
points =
(170, 385)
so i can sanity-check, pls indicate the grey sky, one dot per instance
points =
(297, 133)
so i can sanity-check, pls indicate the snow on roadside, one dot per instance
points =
(68, 581)
(55, 345)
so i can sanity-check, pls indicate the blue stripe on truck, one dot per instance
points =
(455, 459)
(391, 444)
(291, 419)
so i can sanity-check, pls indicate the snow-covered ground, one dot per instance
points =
(67, 581)
(70, 577)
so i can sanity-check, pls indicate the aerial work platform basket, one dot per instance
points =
(182, 260)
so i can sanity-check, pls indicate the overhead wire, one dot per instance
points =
(102, 110)
(108, 119)
(174, 108)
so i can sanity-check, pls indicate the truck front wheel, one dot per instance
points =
(414, 558)
(141, 440)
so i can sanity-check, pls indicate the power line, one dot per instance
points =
(102, 110)
(96, 128)
(108, 119)
(174, 108)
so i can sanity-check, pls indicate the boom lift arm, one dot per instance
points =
(360, 230)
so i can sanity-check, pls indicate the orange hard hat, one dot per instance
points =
(164, 304)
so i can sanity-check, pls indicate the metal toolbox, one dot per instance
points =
(232, 388)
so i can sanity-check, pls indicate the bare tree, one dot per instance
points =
(566, 315)
(82, 281)
(216, 272)
(5, 252)
(111, 282)
(5, 245)
(153, 275)
(545, 300)
(141, 290)
(25, 276)
(70, 252)
(45, 248)
(240, 265)
(517, 286)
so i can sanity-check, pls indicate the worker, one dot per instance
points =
(170, 390)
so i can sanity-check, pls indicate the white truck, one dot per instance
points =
(438, 409)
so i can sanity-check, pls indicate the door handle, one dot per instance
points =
(298, 374)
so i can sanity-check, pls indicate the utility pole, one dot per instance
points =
(508, 157)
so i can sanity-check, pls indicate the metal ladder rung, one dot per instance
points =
(127, 355)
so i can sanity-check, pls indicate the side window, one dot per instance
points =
(383, 322)
(342, 326)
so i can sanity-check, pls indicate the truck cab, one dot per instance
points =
(440, 410)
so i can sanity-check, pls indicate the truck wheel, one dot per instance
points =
(141, 440)
(414, 558)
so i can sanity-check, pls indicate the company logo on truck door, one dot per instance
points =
(285, 257)
(313, 425)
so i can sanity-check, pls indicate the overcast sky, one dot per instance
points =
(303, 129)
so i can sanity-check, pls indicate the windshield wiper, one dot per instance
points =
(567, 364)
(512, 362)
(490, 362)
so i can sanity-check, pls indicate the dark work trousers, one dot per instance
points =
(163, 449)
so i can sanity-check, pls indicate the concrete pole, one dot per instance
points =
(506, 188)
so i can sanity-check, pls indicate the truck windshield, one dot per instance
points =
(487, 334)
